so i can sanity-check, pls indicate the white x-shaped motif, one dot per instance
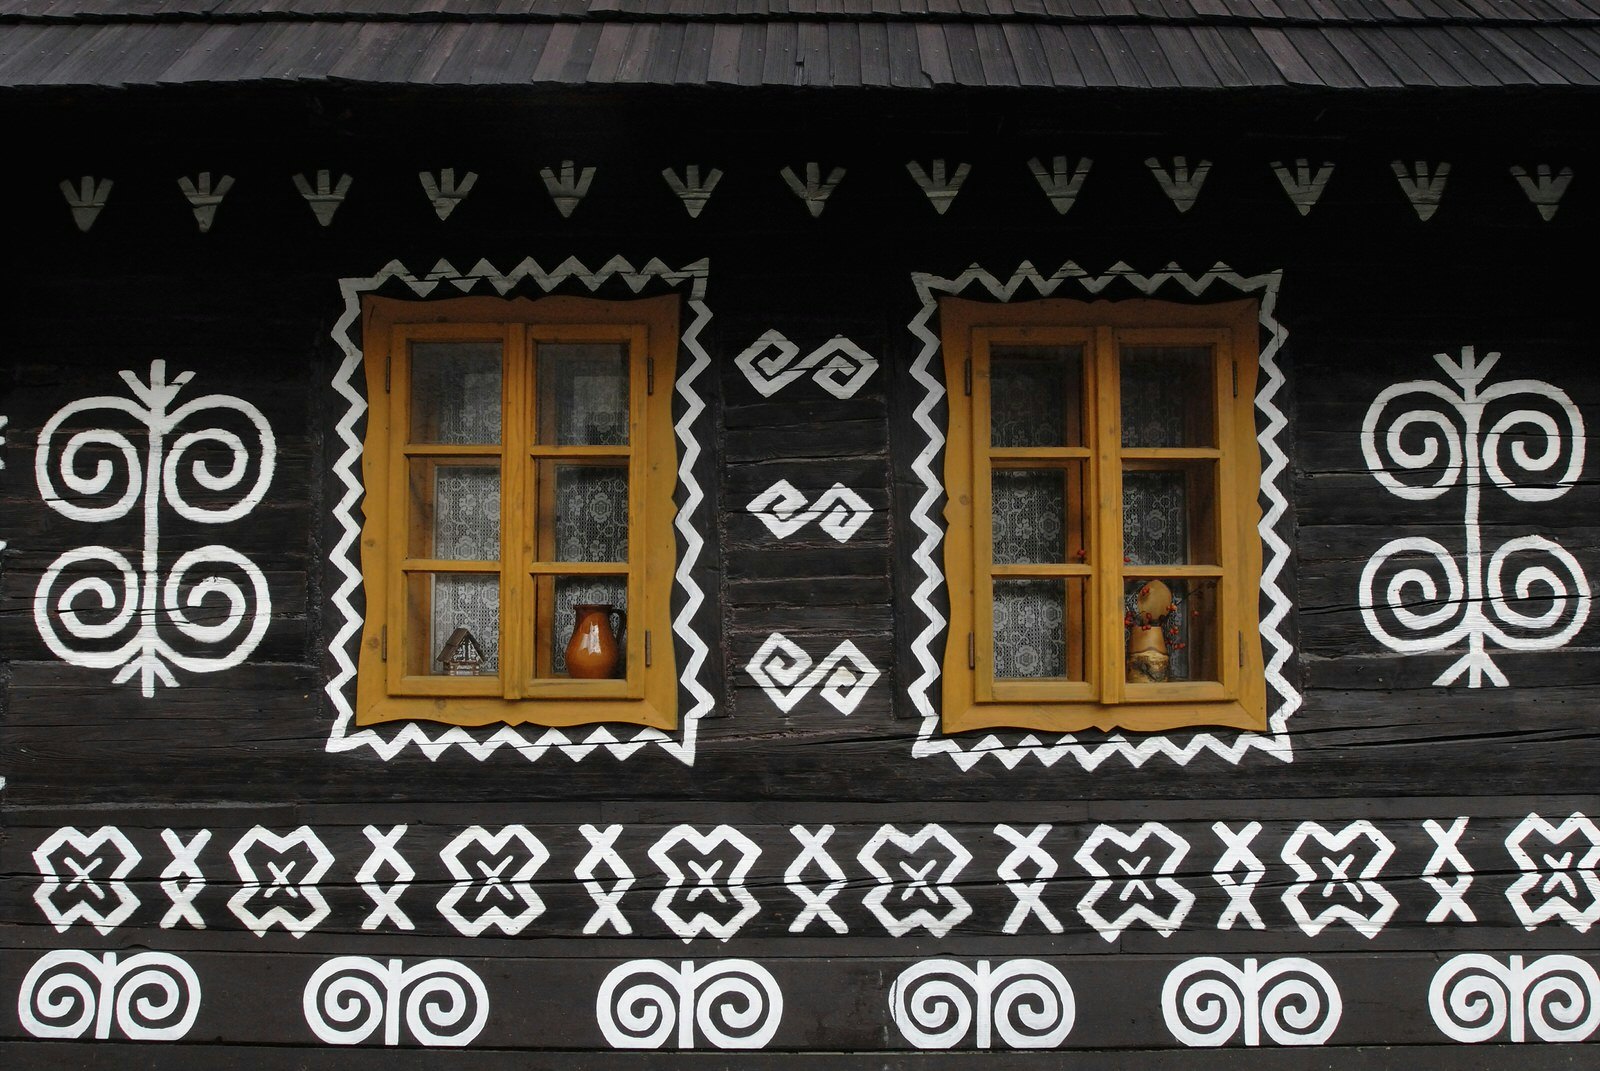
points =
(1451, 892)
(707, 882)
(918, 880)
(816, 903)
(82, 872)
(1237, 856)
(281, 880)
(386, 901)
(1029, 894)
(185, 864)
(608, 903)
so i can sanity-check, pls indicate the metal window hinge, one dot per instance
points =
(647, 648)
(972, 651)
(383, 644)
(966, 376)
(1236, 379)
(388, 364)
(649, 375)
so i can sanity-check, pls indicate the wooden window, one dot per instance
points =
(519, 468)
(1102, 552)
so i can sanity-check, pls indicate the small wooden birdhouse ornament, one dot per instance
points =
(462, 655)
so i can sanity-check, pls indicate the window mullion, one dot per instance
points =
(514, 644)
(983, 523)
(1107, 626)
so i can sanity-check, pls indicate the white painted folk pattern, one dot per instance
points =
(784, 509)
(1028, 848)
(1447, 853)
(86, 199)
(532, 744)
(385, 898)
(1062, 180)
(86, 871)
(148, 996)
(1543, 189)
(921, 881)
(1339, 867)
(813, 852)
(940, 184)
(325, 196)
(1423, 184)
(691, 189)
(568, 185)
(1454, 435)
(787, 674)
(607, 901)
(814, 190)
(1557, 876)
(443, 192)
(1238, 871)
(1303, 185)
(1180, 183)
(1016, 748)
(502, 896)
(442, 1003)
(131, 608)
(1207, 1002)
(1026, 1003)
(1475, 998)
(650, 1004)
(262, 854)
(1140, 872)
(699, 852)
(838, 366)
(204, 198)
(185, 864)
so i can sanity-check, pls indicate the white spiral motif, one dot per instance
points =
(1032, 1004)
(90, 607)
(1208, 1001)
(98, 475)
(150, 996)
(441, 1003)
(214, 481)
(737, 1004)
(242, 612)
(734, 1004)
(90, 479)
(1524, 437)
(1476, 998)
(938, 1003)
(934, 1003)
(1425, 440)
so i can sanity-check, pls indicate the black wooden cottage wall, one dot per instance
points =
(1391, 841)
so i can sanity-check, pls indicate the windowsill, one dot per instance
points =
(560, 713)
(1134, 717)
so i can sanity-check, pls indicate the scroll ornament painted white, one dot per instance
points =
(1207, 1002)
(442, 1003)
(111, 615)
(649, 1004)
(1476, 998)
(1522, 436)
(1025, 1003)
(148, 996)
(787, 674)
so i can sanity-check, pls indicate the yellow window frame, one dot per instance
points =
(973, 698)
(647, 694)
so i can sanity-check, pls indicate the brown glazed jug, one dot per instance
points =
(592, 652)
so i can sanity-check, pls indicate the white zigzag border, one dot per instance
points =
(929, 742)
(576, 745)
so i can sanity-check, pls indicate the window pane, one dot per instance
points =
(1167, 396)
(1039, 628)
(583, 393)
(455, 392)
(586, 508)
(1037, 515)
(563, 595)
(1170, 630)
(439, 603)
(1169, 515)
(1036, 396)
(455, 509)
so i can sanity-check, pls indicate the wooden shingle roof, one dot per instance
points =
(1125, 44)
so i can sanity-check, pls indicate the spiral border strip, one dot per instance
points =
(1011, 750)
(343, 736)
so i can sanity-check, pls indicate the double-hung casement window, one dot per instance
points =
(1102, 548)
(519, 469)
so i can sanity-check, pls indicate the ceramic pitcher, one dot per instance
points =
(592, 651)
